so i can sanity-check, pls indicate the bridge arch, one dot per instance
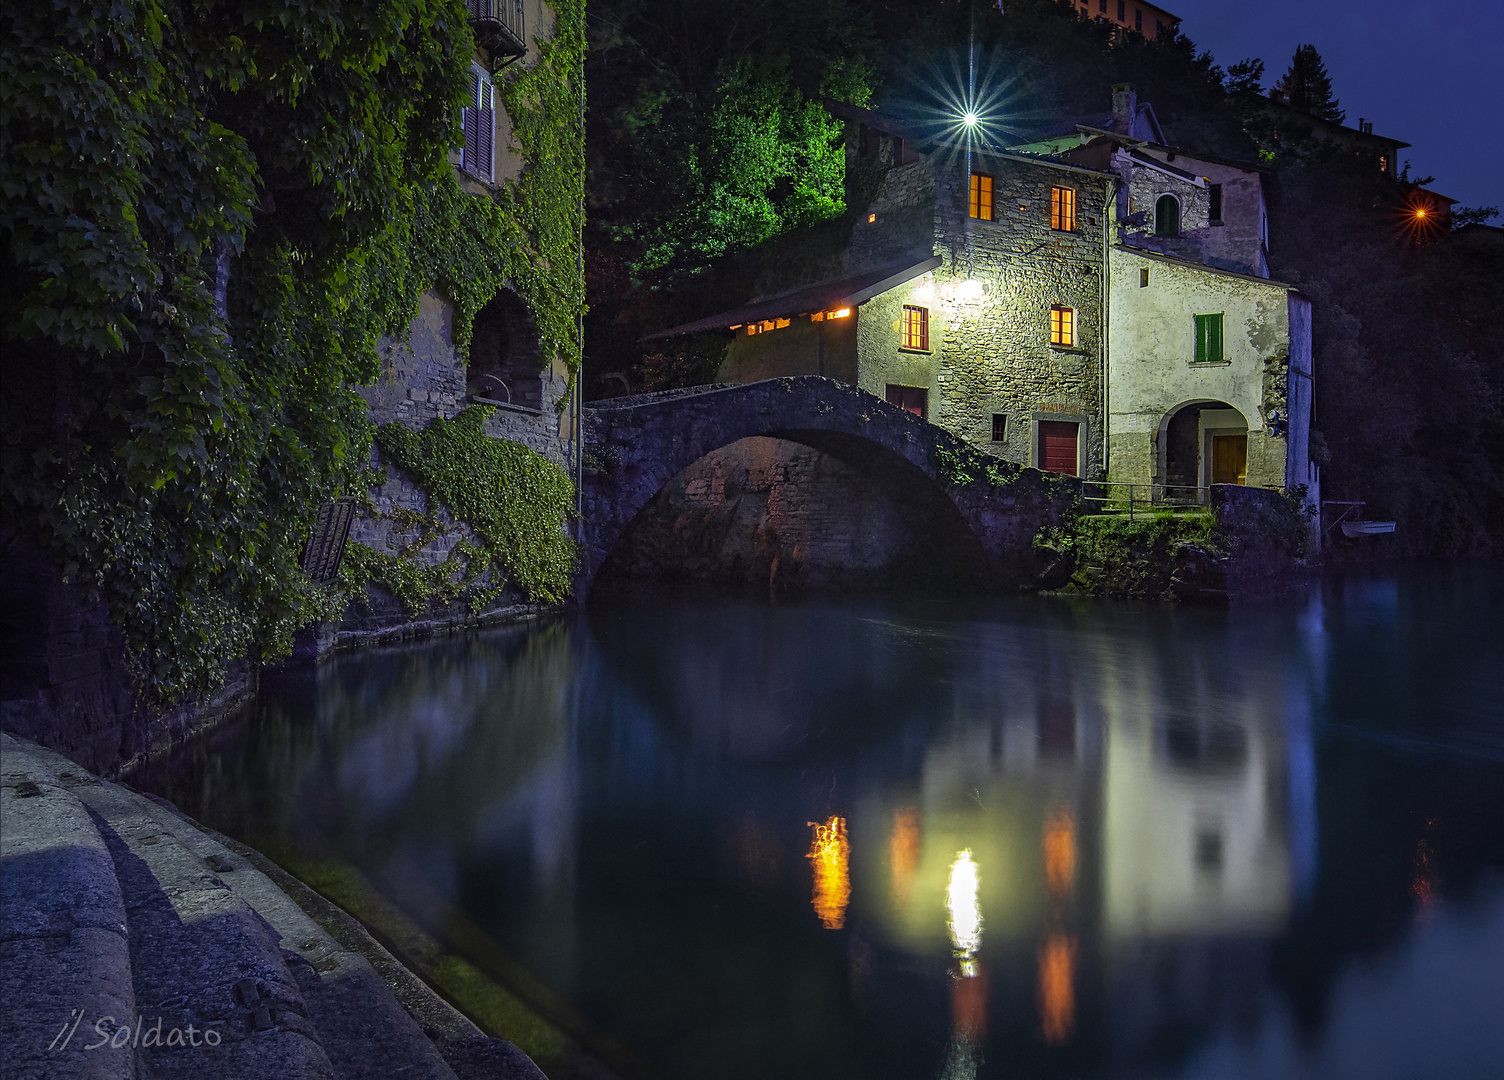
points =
(983, 527)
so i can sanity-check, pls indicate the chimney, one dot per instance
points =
(1124, 108)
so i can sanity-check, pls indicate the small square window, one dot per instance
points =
(1063, 209)
(981, 197)
(1143, 277)
(999, 427)
(1063, 326)
(1209, 348)
(908, 398)
(915, 328)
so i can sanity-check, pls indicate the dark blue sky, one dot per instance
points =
(1427, 72)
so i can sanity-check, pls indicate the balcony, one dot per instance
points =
(498, 27)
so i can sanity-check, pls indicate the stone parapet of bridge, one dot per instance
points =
(983, 514)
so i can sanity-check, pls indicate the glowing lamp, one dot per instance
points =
(970, 292)
(1420, 211)
(970, 119)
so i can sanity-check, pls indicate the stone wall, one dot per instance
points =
(1235, 242)
(64, 680)
(768, 512)
(995, 355)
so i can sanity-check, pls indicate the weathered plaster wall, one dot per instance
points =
(1152, 372)
(803, 347)
(995, 355)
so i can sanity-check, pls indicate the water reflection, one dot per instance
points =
(1039, 839)
(830, 854)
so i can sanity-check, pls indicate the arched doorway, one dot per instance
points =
(506, 355)
(1201, 443)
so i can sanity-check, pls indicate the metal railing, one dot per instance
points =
(498, 24)
(1109, 497)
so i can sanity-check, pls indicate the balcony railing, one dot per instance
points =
(498, 26)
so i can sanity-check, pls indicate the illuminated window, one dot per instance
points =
(1062, 325)
(999, 427)
(1063, 208)
(1167, 216)
(981, 197)
(478, 121)
(915, 328)
(1209, 339)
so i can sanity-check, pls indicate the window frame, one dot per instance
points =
(906, 336)
(478, 127)
(975, 205)
(1062, 326)
(1179, 215)
(1210, 338)
(999, 427)
(1063, 208)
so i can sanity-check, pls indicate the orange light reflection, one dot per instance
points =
(1059, 843)
(830, 852)
(903, 852)
(968, 1004)
(1057, 991)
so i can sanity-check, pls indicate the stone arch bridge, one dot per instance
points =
(981, 514)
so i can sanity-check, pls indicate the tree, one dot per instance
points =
(1307, 87)
(1245, 77)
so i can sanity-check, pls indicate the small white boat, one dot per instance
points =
(1366, 528)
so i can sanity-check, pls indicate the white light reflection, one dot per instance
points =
(961, 901)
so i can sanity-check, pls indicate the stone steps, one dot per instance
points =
(116, 906)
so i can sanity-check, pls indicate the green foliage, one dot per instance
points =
(1116, 556)
(208, 216)
(514, 500)
(964, 465)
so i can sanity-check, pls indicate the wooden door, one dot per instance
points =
(1230, 459)
(908, 398)
(1058, 451)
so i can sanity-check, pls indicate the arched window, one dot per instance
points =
(1167, 216)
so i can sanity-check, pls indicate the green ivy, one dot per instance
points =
(209, 216)
(515, 502)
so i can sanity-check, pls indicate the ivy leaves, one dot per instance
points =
(515, 501)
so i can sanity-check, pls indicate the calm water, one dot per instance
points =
(1031, 838)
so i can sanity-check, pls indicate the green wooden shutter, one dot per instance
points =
(1208, 339)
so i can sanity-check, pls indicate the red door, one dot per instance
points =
(1057, 446)
(908, 398)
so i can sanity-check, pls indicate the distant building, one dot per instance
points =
(1146, 19)
(1292, 125)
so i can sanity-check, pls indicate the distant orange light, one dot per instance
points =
(830, 852)
(845, 311)
(1420, 211)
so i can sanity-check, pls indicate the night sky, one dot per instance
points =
(1425, 71)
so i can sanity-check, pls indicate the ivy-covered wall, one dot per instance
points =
(211, 219)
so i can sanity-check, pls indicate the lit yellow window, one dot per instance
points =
(1063, 208)
(981, 197)
(915, 328)
(1062, 326)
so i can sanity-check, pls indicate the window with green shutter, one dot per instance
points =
(1209, 339)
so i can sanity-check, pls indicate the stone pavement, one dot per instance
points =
(135, 944)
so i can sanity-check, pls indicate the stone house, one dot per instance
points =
(971, 293)
(1093, 302)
